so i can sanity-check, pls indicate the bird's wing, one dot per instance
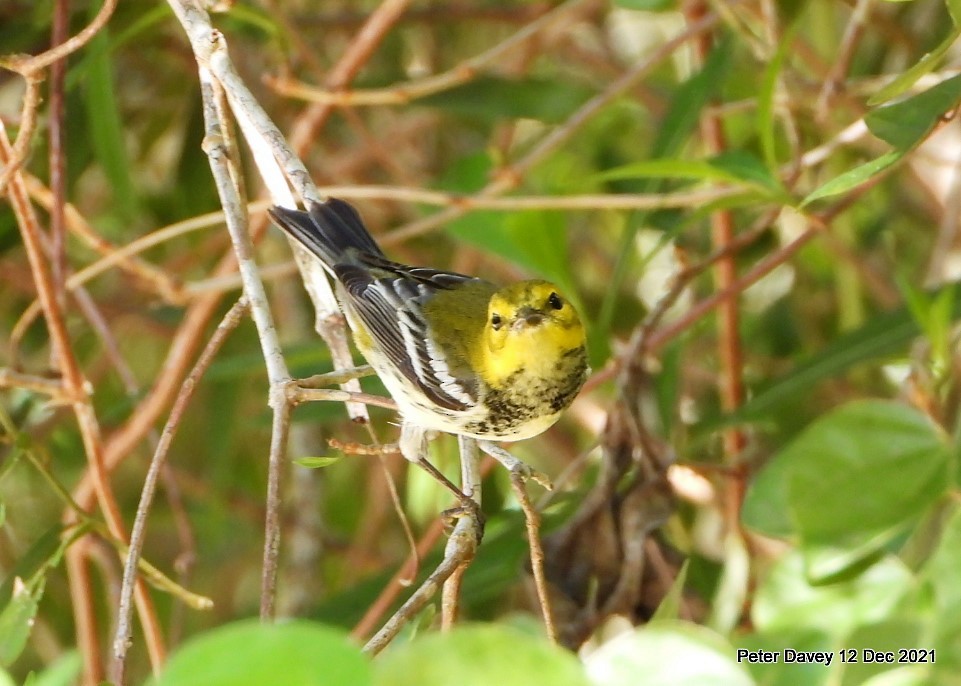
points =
(389, 299)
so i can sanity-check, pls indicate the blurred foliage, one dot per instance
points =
(849, 539)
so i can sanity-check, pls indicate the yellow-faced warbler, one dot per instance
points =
(457, 353)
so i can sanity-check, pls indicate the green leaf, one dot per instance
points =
(63, 671)
(106, 125)
(646, 5)
(249, 653)
(885, 334)
(853, 177)
(906, 123)
(682, 117)
(787, 601)
(954, 9)
(887, 636)
(670, 606)
(744, 166)
(44, 551)
(765, 103)
(780, 671)
(736, 166)
(666, 654)
(939, 575)
(909, 77)
(16, 620)
(891, 454)
(490, 99)
(677, 124)
(316, 462)
(479, 655)
(534, 240)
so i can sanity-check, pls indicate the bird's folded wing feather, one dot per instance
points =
(389, 299)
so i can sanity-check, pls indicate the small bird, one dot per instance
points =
(457, 353)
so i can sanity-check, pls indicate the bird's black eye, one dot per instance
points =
(496, 321)
(555, 301)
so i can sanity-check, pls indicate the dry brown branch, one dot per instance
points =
(77, 387)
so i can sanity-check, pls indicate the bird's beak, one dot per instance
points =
(527, 316)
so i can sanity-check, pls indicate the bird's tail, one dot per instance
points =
(329, 230)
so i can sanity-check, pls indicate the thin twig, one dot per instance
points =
(53, 388)
(403, 93)
(121, 640)
(532, 521)
(460, 550)
(217, 147)
(509, 177)
(30, 65)
(28, 122)
(471, 487)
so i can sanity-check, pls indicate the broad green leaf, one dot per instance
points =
(249, 653)
(891, 455)
(61, 672)
(491, 98)
(915, 675)
(316, 462)
(669, 653)
(853, 177)
(939, 575)
(479, 655)
(891, 452)
(16, 620)
(786, 670)
(906, 123)
(908, 78)
(885, 637)
(787, 601)
(6, 679)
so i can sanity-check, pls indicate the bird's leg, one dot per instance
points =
(413, 446)
(516, 467)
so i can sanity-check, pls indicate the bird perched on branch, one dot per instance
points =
(457, 353)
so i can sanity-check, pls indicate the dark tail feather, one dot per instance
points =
(327, 229)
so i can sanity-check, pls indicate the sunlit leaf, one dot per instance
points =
(317, 462)
(667, 653)
(16, 620)
(893, 456)
(854, 177)
(479, 656)
(249, 653)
